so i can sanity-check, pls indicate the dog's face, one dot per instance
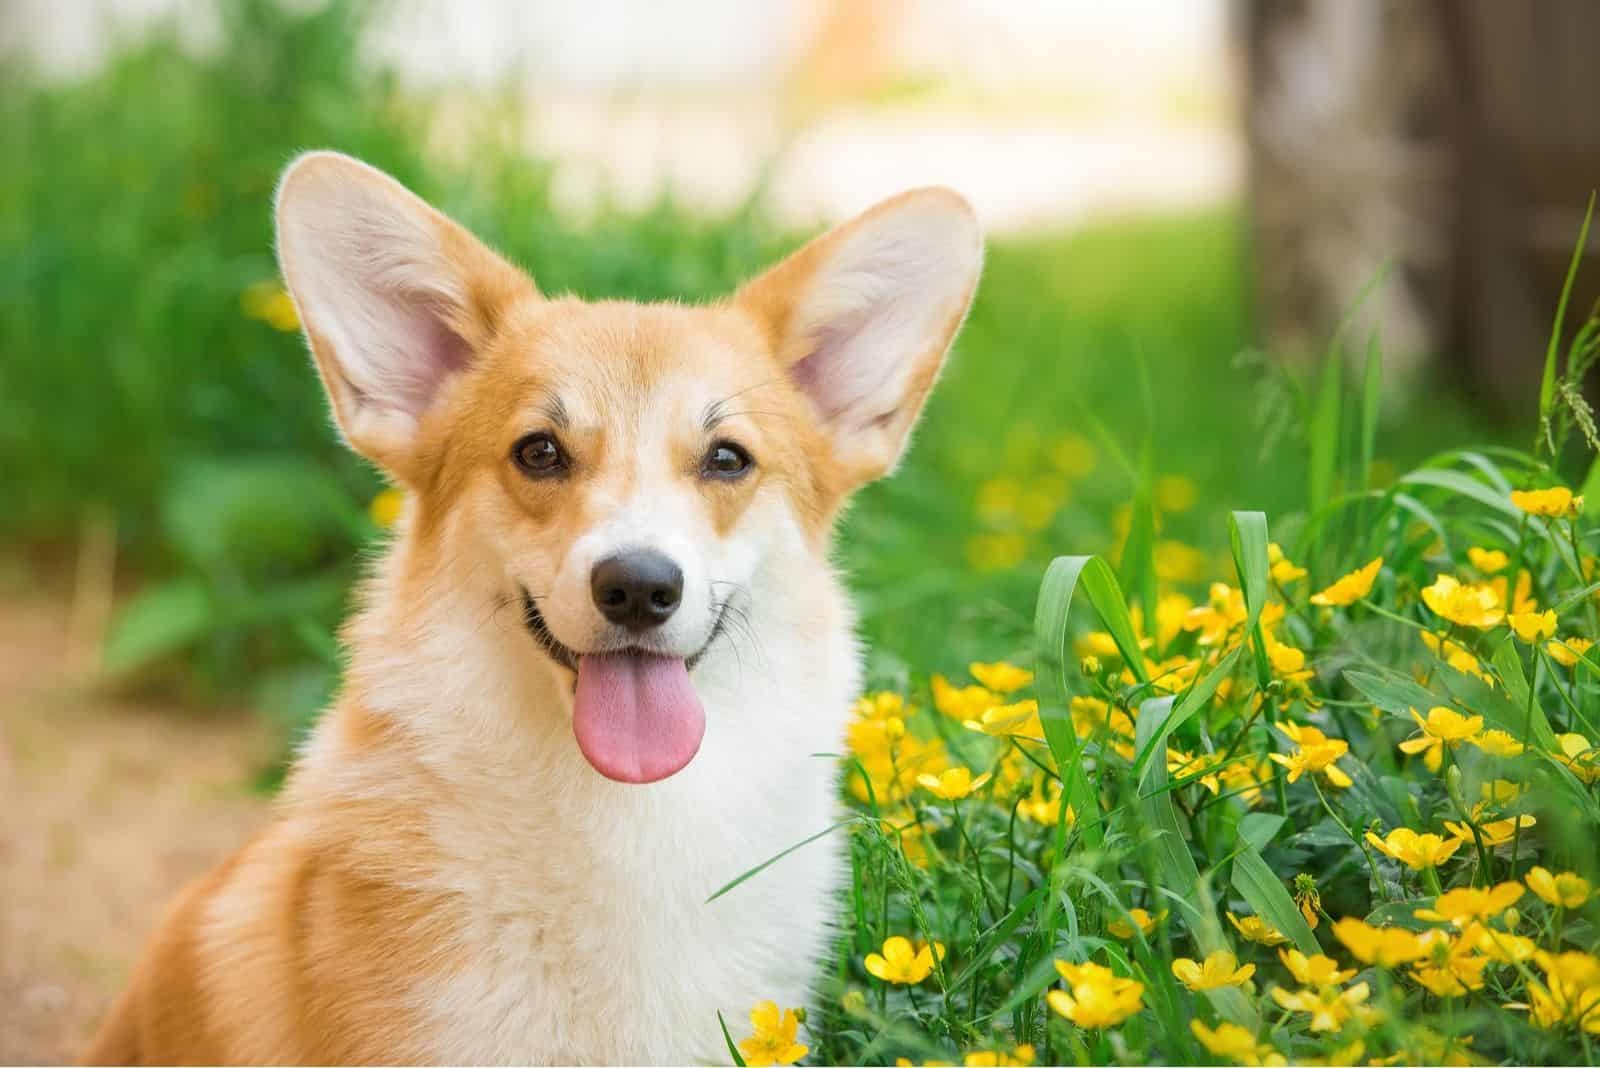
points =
(629, 473)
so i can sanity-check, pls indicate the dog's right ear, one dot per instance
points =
(394, 298)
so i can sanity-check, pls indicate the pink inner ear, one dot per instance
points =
(836, 376)
(438, 353)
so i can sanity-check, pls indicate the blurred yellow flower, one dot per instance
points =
(1567, 890)
(1005, 720)
(879, 705)
(773, 1040)
(1467, 604)
(1386, 947)
(1329, 1008)
(1570, 993)
(1177, 562)
(999, 551)
(384, 509)
(1415, 851)
(1095, 996)
(1467, 903)
(953, 784)
(902, 962)
(1444, 727)
(1497, 742)
(1352, 587)
(1533, 627)
(1488, 560)
(1568, 651)
(1219, 969)
(1255, 929)
(267, 302)
(1147, 923)
(1496, 833)
(1282, 569)
(1228, 1041)
(1000, 676)
(961, 703)
(1315, 753)
(1580, 756)
(1045, 810)
(1019, 1057)
(1553, 502)
(1316, 971)
(1175, 493)
(1074, 456)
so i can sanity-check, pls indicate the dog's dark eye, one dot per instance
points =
(539, 455)
(726, 460)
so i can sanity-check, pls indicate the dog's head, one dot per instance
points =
(626, 472)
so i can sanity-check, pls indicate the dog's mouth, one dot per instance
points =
(635, 713)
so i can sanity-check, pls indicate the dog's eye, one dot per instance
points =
(539, 455)
(726, 460)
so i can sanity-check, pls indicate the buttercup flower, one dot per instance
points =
(1315, 753)
(1456, 656)
(1488, 560)
(1042, 809)
(1494, 833)
(1415, 851)
(1219, 969)
(1444, 727)
(385, 508)
(774, 1039)
(1498, 743)
(1467, 903)
(1147, 923)
(1228, 1041)
(1469, 605)
(1095, 996)
(1019, 1057)
(960, 703)
(904, 963)
(1330, 1008)
(1387, 947)
(1003, 720)
(1580, 756)
(267, 302)
(1316, 971)
(1257, 930)
(1283, 570)
(1350, 588)
(1533, 627)
(1001, 677)
(1570, 993)
(1568, 651)
(953, 784)
(1567, 890)
(1553, 502)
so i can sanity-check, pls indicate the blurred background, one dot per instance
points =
(1195, 210)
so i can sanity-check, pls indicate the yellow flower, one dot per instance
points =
(1316, 971)
(1315, 753)
(1568, 651)
(1174, 493)
(1255, 929)
(1074, 455)
(1330, 1008)
(1493, 834)
(1352, 587)
(1182, 765)
(1415, 851)
(1005, 720)
(1468, 604)
(880, 705)
(1177, 562)
(1553, 502)
(1579, 756)
(1570, 993)
(1284, 570)
(1229, 1041)
(1444, 727)
(1220, 969)
(1456, 656)
(1095, 996)
(1308, 899)
(952, 784)
(1568, 890)
(774, 1039)
(1042, 809)
(1467, 903)
(1000, 676)
(961, 703)
(1147, 923)
(1500, 791)
(1533, 627)
(1019, 1057)
(902, 962)
(1451, 966)
(1386, 947)
(1488, 560)
(385, 507)
(1497, 743)
(268, 303)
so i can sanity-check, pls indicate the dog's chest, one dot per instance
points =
(587, 934)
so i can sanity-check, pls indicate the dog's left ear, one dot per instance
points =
(863, 315)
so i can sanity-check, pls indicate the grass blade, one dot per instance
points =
(1552, 352)
(733, 1050)
(1259, 886)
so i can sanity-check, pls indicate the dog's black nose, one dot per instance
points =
(638, 589)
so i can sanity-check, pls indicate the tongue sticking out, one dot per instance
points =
(636, 716)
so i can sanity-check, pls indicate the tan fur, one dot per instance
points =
(310, 944)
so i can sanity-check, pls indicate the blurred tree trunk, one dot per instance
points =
(1456, 140)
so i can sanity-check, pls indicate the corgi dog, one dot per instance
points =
(599, 670)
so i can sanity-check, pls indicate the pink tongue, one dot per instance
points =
(637, 717)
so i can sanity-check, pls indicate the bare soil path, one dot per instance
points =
(108, 806)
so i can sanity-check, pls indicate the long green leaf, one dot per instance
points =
(1188, 703)
(1247, 535)
(1324, 431)
(1259, 886)
(733, 1051)
(1371, 401)
(1465, 485)
(1547, 383)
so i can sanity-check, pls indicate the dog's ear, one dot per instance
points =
(394, 297)
(862, 316)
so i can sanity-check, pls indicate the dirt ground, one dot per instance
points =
(108, 805)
